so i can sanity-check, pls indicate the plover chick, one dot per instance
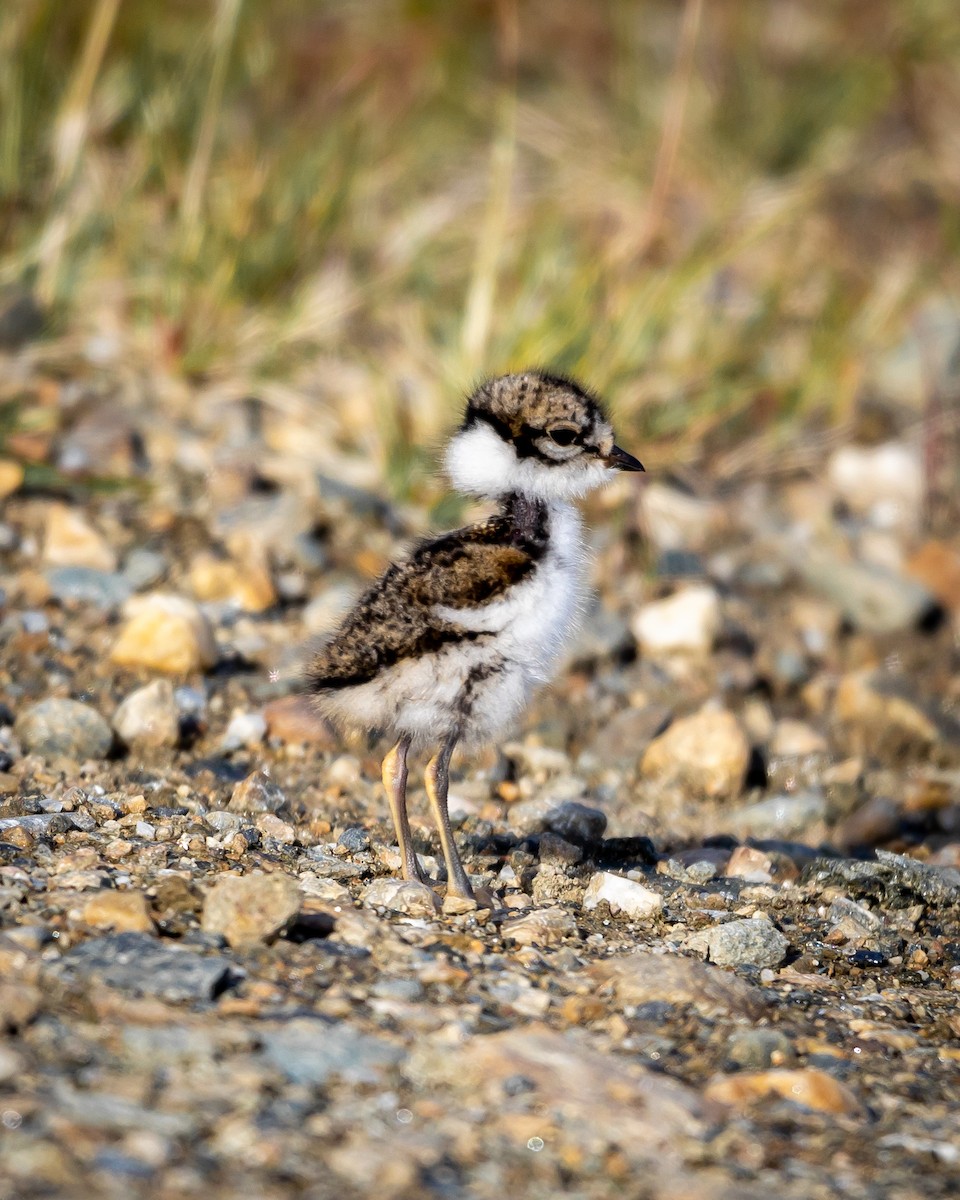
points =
(448, 645)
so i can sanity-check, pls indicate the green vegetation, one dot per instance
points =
(720, 213)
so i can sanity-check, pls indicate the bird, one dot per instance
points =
(447, 647)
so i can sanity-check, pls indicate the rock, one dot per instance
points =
(149, 716)
(596, 1099)
(248, 909)
(543, 927)
(330, 866)
(873, 599)
(706, 753)
(143, 568)
(245, 730)
(807, 1086)
(894, 879)
(686, 622)
(88, 585)
(622, 895)
(877, 819)
(405, 896)
(854, 922)
(124, 912)
(778, 817)
(621, 740)
(272, 827)
(796, 739)
(604, 634)
(759, 866)
(354, 840)
(937, 567)
(71, 541)
(752, 941)
(64, 727)
(758, 1049)
(644, 977)
(883, 483)
(140, 964)
(883, 717)
(310, 1052)
(165, 633)
(38, 825)
(19, 1004)
(247, 587)
(294, 719)
(257, 794)
(575, 822)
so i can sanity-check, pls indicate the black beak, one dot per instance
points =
(622, 461)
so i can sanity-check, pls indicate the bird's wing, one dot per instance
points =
(397, 618)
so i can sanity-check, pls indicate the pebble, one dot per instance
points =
(272, 827)
(140, 964)
(643, 977)
(575, 822)
(63, 727)
(248, 909)
(622, 895)
(758, 1049)
(750, 941)
(758, 866)
(247, 587)
(885, 483)
(88, 585)
(310, 1052)
(542, 927)
(796, 739)
(807, 1086)
(11, 477)
(687, 623)
(165, 633)
(245, 731)
(779, 816)
(676, 520)
(149, 716)
(71, 541)
(621, 740)
(405, 896)
(706, 753)
(11, 1065)
(884, 717)
(294, 719)
(143, 568)
(124, 912)
(331, 866)
(257, 794)
(873, 598)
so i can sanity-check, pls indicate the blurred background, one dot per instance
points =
(737, 219)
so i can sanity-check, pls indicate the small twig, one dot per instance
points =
(478, 311)
(674, 113)
(224, 29)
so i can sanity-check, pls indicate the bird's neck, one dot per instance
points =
(528, 517)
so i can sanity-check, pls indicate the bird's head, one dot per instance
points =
(541, 435)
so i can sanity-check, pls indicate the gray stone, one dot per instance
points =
(88, 585)
(405, 896)
(149, 716)
(310, 1052)
(870, 597)
(895, 880)
(752, 941)
(40, 824)
(143, 568)
(64, 727)
(571, 820)
(759, 1049)
(257, 794)
(138, 963)
(780, 816)
(644, 977)
(331, 867)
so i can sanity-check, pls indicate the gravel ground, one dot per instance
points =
(718, 950)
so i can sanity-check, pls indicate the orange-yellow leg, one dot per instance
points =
(437, 780)
(394, 775)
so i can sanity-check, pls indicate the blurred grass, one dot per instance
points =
(410, 194)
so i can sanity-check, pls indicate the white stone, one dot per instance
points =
(245, 729)
(883, 483)
(676, 520)
(686, 622)
(623, 895)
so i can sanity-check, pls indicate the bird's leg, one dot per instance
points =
(394, 775)
(437, 780)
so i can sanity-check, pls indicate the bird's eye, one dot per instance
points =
(563, 435)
